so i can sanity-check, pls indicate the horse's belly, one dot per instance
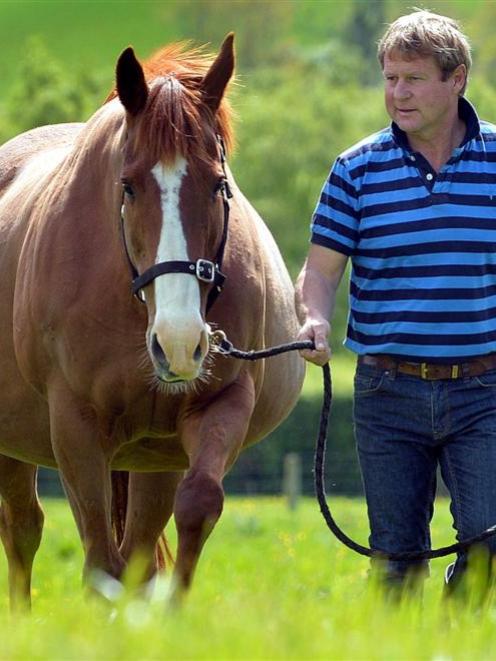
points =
(151, 454)
(282, 381)
(25, 432)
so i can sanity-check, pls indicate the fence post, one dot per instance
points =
(292, 479)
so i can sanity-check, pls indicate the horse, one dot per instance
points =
(125, 247)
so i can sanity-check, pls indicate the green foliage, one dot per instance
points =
(259, 470)
(293, 123)
(364, 29)
(271, 584)
(483, 96)
(44, 93)
(265, 28)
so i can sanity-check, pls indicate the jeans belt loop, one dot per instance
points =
(391, 370)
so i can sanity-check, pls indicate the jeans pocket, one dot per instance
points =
(486, 380)
(367, 384)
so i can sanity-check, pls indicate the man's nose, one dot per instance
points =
(401, 90)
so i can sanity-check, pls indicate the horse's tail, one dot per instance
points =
(120, 484)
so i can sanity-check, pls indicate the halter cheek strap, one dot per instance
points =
(203, 269)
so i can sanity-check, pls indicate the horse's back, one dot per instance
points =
(16, 153)
(26, 164)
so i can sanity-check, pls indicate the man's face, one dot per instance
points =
(417, 99)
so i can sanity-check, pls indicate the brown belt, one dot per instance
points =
(432, 371)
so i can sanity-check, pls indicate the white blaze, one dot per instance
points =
(178, 321)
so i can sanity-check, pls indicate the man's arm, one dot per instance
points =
(316, 289)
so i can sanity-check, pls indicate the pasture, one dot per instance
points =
(271, 584)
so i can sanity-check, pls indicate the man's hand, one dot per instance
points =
(315, 298)
(317, 330)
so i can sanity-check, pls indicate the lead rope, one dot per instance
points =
(224, 347)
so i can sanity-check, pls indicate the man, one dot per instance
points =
(414, 209)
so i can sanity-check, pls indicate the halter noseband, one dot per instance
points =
(203, 269)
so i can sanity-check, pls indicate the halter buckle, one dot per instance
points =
(205, 270)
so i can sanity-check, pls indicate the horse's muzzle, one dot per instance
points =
(169, 374)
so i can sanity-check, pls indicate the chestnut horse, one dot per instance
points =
(92, 379)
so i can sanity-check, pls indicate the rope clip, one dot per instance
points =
(220, 343)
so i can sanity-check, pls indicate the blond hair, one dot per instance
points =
(424, 34)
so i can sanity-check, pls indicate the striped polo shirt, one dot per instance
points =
(422, 244)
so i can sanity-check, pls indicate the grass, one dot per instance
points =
(271, 584)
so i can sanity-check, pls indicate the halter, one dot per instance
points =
(203, 269)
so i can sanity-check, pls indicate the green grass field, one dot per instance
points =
(271, 584)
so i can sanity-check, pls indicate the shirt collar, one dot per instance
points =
(466, 112)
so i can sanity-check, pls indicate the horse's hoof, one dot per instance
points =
(176, 596)
(104, 585)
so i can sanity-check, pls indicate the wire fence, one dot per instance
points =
(249, 479)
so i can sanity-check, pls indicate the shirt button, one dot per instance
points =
(429, 177)
(412, 157)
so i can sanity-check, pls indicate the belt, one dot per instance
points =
(432, 371)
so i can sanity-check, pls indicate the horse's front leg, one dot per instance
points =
(212, 438)
(81, 451)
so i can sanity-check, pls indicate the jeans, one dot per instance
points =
(405, 427)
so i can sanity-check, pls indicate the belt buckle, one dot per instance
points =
(424, 372)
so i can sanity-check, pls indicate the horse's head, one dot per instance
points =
(174, 197)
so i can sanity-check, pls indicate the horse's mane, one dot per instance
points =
(174, 75)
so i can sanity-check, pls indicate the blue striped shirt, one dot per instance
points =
(422, 244)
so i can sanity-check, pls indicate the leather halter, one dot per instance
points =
(203, 269)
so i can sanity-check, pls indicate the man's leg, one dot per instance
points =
(468, 467)
(393, 419)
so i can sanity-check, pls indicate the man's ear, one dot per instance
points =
(459, 78)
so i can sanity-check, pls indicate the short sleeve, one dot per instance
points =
(335, 219)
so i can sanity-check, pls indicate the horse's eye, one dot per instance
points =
(219, 186)
(128, 189)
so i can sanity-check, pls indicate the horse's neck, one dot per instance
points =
(86, 215)
(86, 188)
(97, 154)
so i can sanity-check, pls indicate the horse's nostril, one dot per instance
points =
(198, 353)
(157, 350)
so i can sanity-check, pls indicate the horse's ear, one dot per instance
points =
(219, 74)
(131, 84)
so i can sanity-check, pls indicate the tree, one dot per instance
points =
(364, 30)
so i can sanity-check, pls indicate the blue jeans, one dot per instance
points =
(405, 427)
